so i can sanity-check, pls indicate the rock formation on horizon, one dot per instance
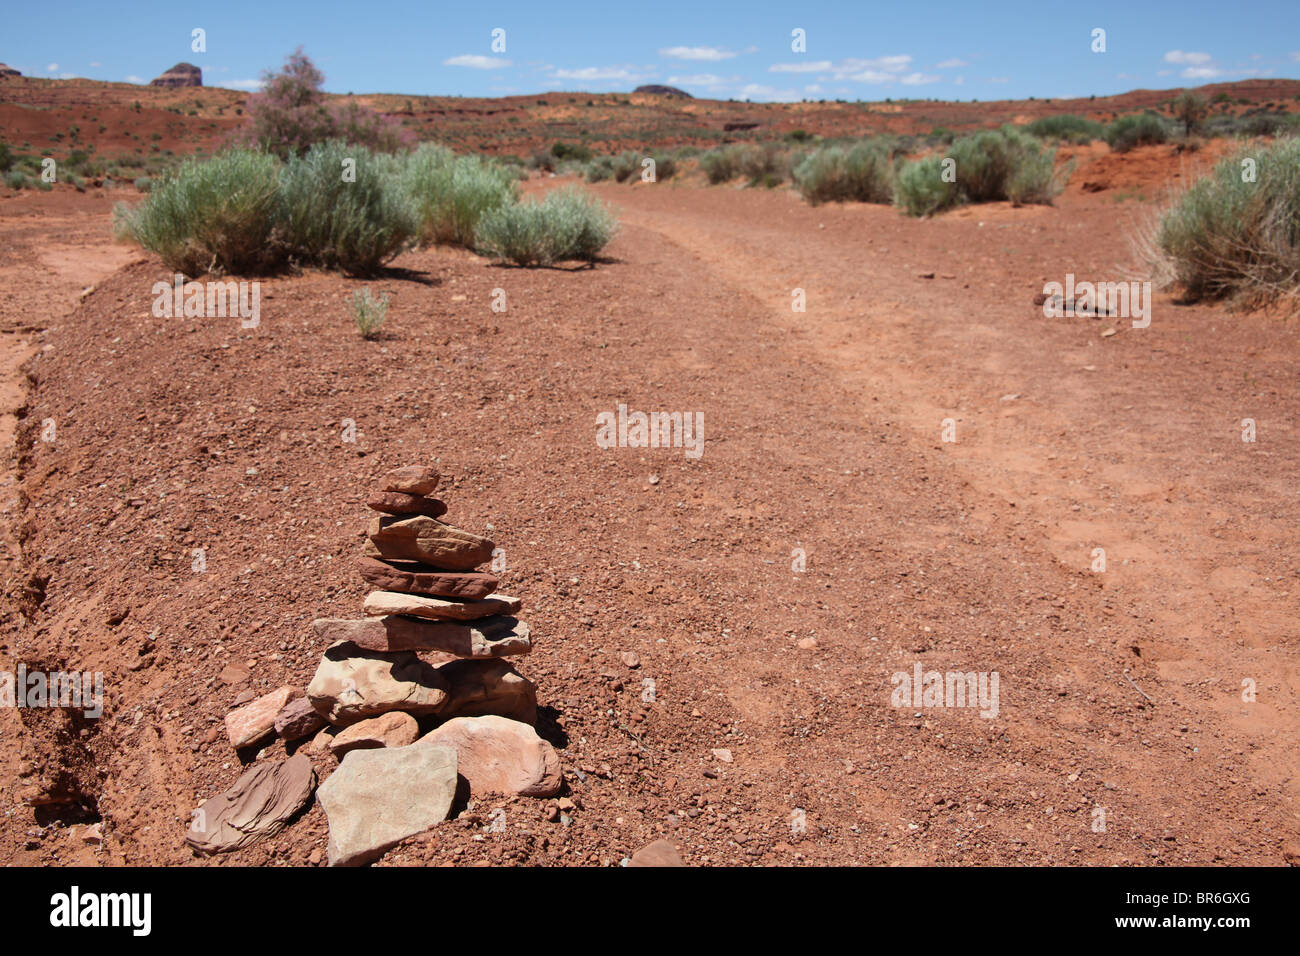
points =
(6, 70)
(662, 90)
(182, 74)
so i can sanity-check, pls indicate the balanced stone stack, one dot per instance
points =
(430, 598)
(376, 690)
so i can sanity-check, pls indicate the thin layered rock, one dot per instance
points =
(486, 638)
(382, 603)
(414, 578)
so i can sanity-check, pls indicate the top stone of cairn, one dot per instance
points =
(411, 480)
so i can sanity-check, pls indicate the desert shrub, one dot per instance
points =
(144, 184)
(218, 215)
(625, 164)
(335, 223)
(992, 165)
(1227, 237)
(1066, 128)
(451, 193)
(1004, 164)
(920, 189)
(368, 312)
(563, 151)
(568, 224)
(763, 165)
(600, 169)
(6, 157)
(863, 173)
(16, 179)
(665, 167)
(1142, 129)
(1190, 109)
(721, 165)
(291, 114)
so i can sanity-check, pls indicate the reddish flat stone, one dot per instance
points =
(411, 480)
(252, 722)
(396, 503)
(484, 638)
(298, 719)
(413, 578)
(420, 538)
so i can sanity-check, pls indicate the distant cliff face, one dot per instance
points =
(662, 90)
(8, 71)
(182, 74)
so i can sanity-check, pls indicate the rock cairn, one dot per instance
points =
(373, 696)
(478, 711)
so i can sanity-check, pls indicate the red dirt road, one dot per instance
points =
(1120, 692)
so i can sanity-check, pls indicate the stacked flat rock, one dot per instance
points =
(429, 597)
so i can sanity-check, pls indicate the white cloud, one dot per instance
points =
(999, 79)
(477, 62)
(1183, 58)
(951, 64)
(881, 69)
(709, 53)
(96, 64)
(69, 76)
(696, 79)
(134, 79)
(51, 68)
(960, 81)
(759, 91)
(750, 49)
(1201, 73)
(241, 84)
(1296, 56)
(813, 88)
(591, 73)
(816, 66)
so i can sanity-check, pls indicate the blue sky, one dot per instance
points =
(982, 49)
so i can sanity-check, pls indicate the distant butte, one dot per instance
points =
(662, 90)
(182, 74)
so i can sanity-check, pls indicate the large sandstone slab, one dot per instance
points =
(498, 755)
(257, 806)
(411, 480)
(487, 637)
(396, 503)
(382, 603)
(421, 538)
(248, 724)
(378, 798)
(482, 688)
(353, 683)
(412, 578)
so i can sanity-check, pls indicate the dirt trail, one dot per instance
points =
(1131, 442)
(766, 732)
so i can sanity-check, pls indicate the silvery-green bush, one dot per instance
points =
(356, 224)
(217, 215)
(1229, 235)
(569, 224)
(450, 193)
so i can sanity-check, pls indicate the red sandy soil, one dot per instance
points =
(36, 110)
(1120, 690)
